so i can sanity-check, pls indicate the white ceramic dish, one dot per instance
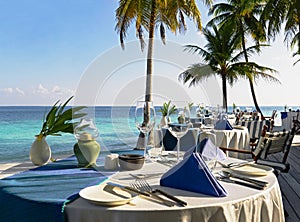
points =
(106, 195)
(252, 170)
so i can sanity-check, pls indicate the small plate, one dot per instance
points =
(106, 195)
(252, 170)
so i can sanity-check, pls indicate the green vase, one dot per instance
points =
(86, 152)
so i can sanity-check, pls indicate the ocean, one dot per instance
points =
(117, 131)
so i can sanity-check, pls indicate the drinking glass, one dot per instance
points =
(145, 119)
(179, 121)
(156, 147)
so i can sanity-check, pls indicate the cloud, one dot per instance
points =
(10, 91)
(57, 90)
(52, 91)
(19, 91)
(7, 90)
(41, 90)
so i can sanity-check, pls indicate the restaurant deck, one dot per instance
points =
(289, 182)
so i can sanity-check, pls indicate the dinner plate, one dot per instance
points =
(252, 170)
(106, 195)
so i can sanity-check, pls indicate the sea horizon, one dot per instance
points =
(20, 124)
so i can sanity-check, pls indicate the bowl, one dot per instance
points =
(131, 161)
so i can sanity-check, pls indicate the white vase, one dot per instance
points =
(40, 152)
(163, 121)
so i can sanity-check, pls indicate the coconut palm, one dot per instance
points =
(241, 16)
(287, 12)
(222, 59)
(149, 15)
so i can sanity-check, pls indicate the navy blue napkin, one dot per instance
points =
(192, 174)
(223, 124)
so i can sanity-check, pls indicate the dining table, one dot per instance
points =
(238, 137)
(241, 204)
(287, 119)
(52, 193)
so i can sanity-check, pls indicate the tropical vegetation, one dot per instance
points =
(222, 57)
(286, 14)
(256, 20)
(149, 15)
(60, 120)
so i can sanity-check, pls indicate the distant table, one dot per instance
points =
(236, 138)
(241, 204)
(287, 119)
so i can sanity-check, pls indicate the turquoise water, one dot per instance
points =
(20, 124)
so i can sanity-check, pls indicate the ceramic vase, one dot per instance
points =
(86, 152)
(163, 121)
(87, 149)
(40, 152)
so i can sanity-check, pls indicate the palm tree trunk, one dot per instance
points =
(250, 79)
(148, 92)
(224, 88)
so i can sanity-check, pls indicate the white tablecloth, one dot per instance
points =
(287, 121)
(236, 138)
(241, 204)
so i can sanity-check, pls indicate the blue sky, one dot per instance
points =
(47, 46)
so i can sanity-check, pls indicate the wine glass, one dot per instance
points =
(178, 121)
(144, 119)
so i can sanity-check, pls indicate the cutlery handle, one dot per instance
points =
(180, 202)
(162, 200)
(251, 185)
(258, 182)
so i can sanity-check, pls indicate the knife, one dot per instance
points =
(177, 200)
(250, 180)
(251, 185)
(129, 188)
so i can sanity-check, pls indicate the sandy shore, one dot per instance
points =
(8, 169)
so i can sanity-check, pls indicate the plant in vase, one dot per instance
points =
(164, 111)
(57, 121)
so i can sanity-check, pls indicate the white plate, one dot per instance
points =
(252, 170)
(106, 195)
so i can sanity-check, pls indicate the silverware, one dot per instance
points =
(250, 180)
(243, 183)
(143, 176)
(144, 185)
(237, 164)
(139, 185)
(129, 188)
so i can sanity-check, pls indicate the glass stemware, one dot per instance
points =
(178, 121)
(145, 119)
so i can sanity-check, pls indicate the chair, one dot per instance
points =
(296, 123)
(270, 143)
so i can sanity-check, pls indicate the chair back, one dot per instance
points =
(274, 142)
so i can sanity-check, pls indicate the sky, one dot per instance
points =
(53, 49)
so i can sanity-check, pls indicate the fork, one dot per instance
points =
(139, 185)
(144, 185)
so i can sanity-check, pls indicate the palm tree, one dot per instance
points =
(279, 12)
(222, 59)
(149, 15)
(241, 16)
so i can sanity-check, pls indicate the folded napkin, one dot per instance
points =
(210, 151)
(223, 124)
(192, 174)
